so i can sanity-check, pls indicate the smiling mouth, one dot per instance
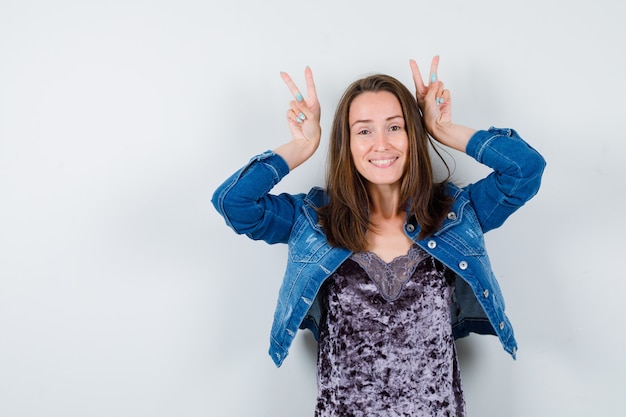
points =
(383, 163)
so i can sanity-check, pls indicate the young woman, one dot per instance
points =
(386, 266)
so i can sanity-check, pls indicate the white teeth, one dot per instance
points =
(381, 162)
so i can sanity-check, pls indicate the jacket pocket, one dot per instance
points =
(306, 244)
(464, 234)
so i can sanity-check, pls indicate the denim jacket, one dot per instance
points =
(245, 202)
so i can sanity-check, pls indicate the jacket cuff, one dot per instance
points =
(278, 164)
(481, 138)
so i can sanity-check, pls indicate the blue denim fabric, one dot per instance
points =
(245, 202)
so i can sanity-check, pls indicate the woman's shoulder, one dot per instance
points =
(454, 190)
(460, 196)
(316, 197)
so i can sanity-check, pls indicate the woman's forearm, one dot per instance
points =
(296, 152)
(453, 135)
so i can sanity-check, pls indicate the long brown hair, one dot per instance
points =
(345, 219)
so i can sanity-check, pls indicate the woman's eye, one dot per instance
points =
(395, 128)
(363, 132)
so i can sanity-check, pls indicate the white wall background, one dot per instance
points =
(122, 292)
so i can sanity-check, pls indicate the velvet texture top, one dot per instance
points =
(386, 346)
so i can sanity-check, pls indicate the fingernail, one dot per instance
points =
(302, 116)
(298, 119)
(433, 78)
(437, 101)
(299, 97)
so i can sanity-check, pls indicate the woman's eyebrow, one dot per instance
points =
(370, 120)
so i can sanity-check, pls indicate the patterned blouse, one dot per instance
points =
(386, 345)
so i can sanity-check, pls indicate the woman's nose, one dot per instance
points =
(381, 141)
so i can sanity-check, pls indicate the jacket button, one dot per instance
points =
(501, 325)
(432, 244)
(486, 293)
(410, 228)
(452, 216)
(463, 265)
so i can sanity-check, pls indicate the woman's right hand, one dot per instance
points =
(303, 118)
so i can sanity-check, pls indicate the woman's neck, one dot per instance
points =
(384, 201)
(386, 236)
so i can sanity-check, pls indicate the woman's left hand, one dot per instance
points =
(433, 99)
(435, 103)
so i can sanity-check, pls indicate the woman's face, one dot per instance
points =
(378, 139)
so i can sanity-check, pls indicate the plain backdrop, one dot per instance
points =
(123, 293)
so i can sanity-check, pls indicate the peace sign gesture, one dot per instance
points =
(436, 105)
(303, 118)
(433, 99)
